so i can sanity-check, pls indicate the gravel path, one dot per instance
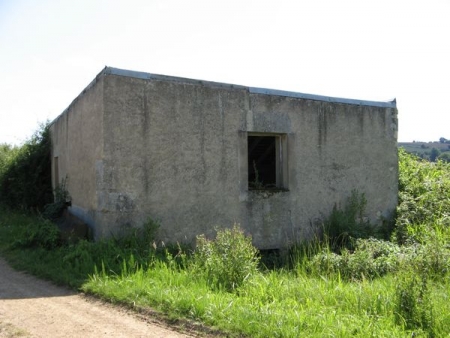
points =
(30, 307)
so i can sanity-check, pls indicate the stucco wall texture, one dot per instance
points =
(135, 145)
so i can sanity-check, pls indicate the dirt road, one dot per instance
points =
(30, 307)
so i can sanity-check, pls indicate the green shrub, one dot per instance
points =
(371, 258)
(424, 203)
(422, 229)
(43, 234)
(25, 177)
(434, 260)
(227, 261)
(53, 211)
(431, 259)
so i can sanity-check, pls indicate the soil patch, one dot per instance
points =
(30, 307)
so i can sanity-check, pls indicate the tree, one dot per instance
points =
(434, 154)
(25, 172)
(7, 152)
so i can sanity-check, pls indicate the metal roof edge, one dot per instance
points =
(253, 90)
(264, 91)
(150, 76)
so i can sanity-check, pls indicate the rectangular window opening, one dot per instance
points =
(265, 162)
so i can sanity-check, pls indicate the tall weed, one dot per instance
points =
(345, 225)
(413, 307)
(227, 261)
(139, 238)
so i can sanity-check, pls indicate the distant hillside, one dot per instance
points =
(428, 150)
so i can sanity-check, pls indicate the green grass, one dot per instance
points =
(43, 263)
(275, 304)
(65, 264)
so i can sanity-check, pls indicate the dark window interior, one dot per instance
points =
(262, 162)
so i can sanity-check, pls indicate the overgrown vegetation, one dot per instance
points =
(413, 306)
(34, 244)
(343, 226)
(228, 261)
(25, 172)
(54, 210)
(350, 282)
(423, 214)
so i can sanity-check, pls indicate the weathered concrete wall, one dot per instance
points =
(171, 152)
(77, 143)
(176, 150)
(333, 149)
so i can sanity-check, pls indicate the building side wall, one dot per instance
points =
(171, 153)
(77, 147)
(176, 152)
(333, 149)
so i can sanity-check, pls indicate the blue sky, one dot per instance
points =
(374, 50)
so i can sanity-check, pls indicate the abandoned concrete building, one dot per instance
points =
(198, 155)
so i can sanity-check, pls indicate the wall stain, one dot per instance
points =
(223, 171)
(322, 126)
(361, 120)
(201, 177)
(145, 128)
